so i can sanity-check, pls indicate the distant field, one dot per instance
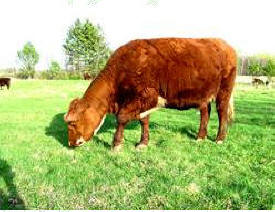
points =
(38, 171)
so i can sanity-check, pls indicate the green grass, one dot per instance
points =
(38, 171)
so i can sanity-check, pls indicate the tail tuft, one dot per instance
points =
(231, 109)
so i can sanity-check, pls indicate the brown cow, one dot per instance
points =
(87, 76)
(260, 81)
(146, 74)
(5, 82)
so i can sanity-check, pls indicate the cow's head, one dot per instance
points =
(82, 120)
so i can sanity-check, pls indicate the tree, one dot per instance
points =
(269, 68)
(54, 69)
(85, 47)
(254, 66)
(28, 58)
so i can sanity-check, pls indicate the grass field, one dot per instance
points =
(38, 171)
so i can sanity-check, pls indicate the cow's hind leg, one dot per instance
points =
(205, 110)
(223, 103)
(222, 108)
(144, 133)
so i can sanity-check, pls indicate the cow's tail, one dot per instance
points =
(231, 109)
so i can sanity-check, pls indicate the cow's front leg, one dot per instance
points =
(144, 133)
(125, 115)
(118, 138)
(138, 109)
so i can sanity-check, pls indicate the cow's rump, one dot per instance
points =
(5, 82)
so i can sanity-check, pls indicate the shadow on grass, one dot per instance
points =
(256, 113)
(101, 142)
(191, 133)
(58, 129)
(10, 200)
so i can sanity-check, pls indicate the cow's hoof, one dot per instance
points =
(117, 148)
(141, 146)
(200, 139)
(219, 142)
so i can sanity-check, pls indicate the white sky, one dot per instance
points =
(247, 25)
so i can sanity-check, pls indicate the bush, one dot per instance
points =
(255, 69)
(25, 74)
(53, 70)
(74, 75)
(61, 75)
(269, 68)
(257, 65)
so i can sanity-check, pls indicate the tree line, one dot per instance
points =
(85, 48)
(87, 51)
(257, 65)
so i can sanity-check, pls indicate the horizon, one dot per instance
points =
(245, 25)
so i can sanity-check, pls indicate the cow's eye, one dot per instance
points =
(72, 123)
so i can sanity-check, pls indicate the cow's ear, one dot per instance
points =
(74, 103)
(66, 117)
(69, 117)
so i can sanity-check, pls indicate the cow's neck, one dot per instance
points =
(100, 94)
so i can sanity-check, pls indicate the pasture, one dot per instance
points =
(39, 171)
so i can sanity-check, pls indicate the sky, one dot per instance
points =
(249, 26)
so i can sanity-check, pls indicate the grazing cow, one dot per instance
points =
(5, 82)
(87, 76)
(260, 81)
(144, 75)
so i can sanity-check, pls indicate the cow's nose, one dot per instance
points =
(79, 143)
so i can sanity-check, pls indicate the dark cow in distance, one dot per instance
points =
(259, 81)
(5, 82)
(144, 75)
(87, 76)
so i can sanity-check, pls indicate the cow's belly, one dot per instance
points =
(179, 104)
(182, 105)
(183, 97)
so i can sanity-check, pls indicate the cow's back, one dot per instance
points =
(183, 71)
